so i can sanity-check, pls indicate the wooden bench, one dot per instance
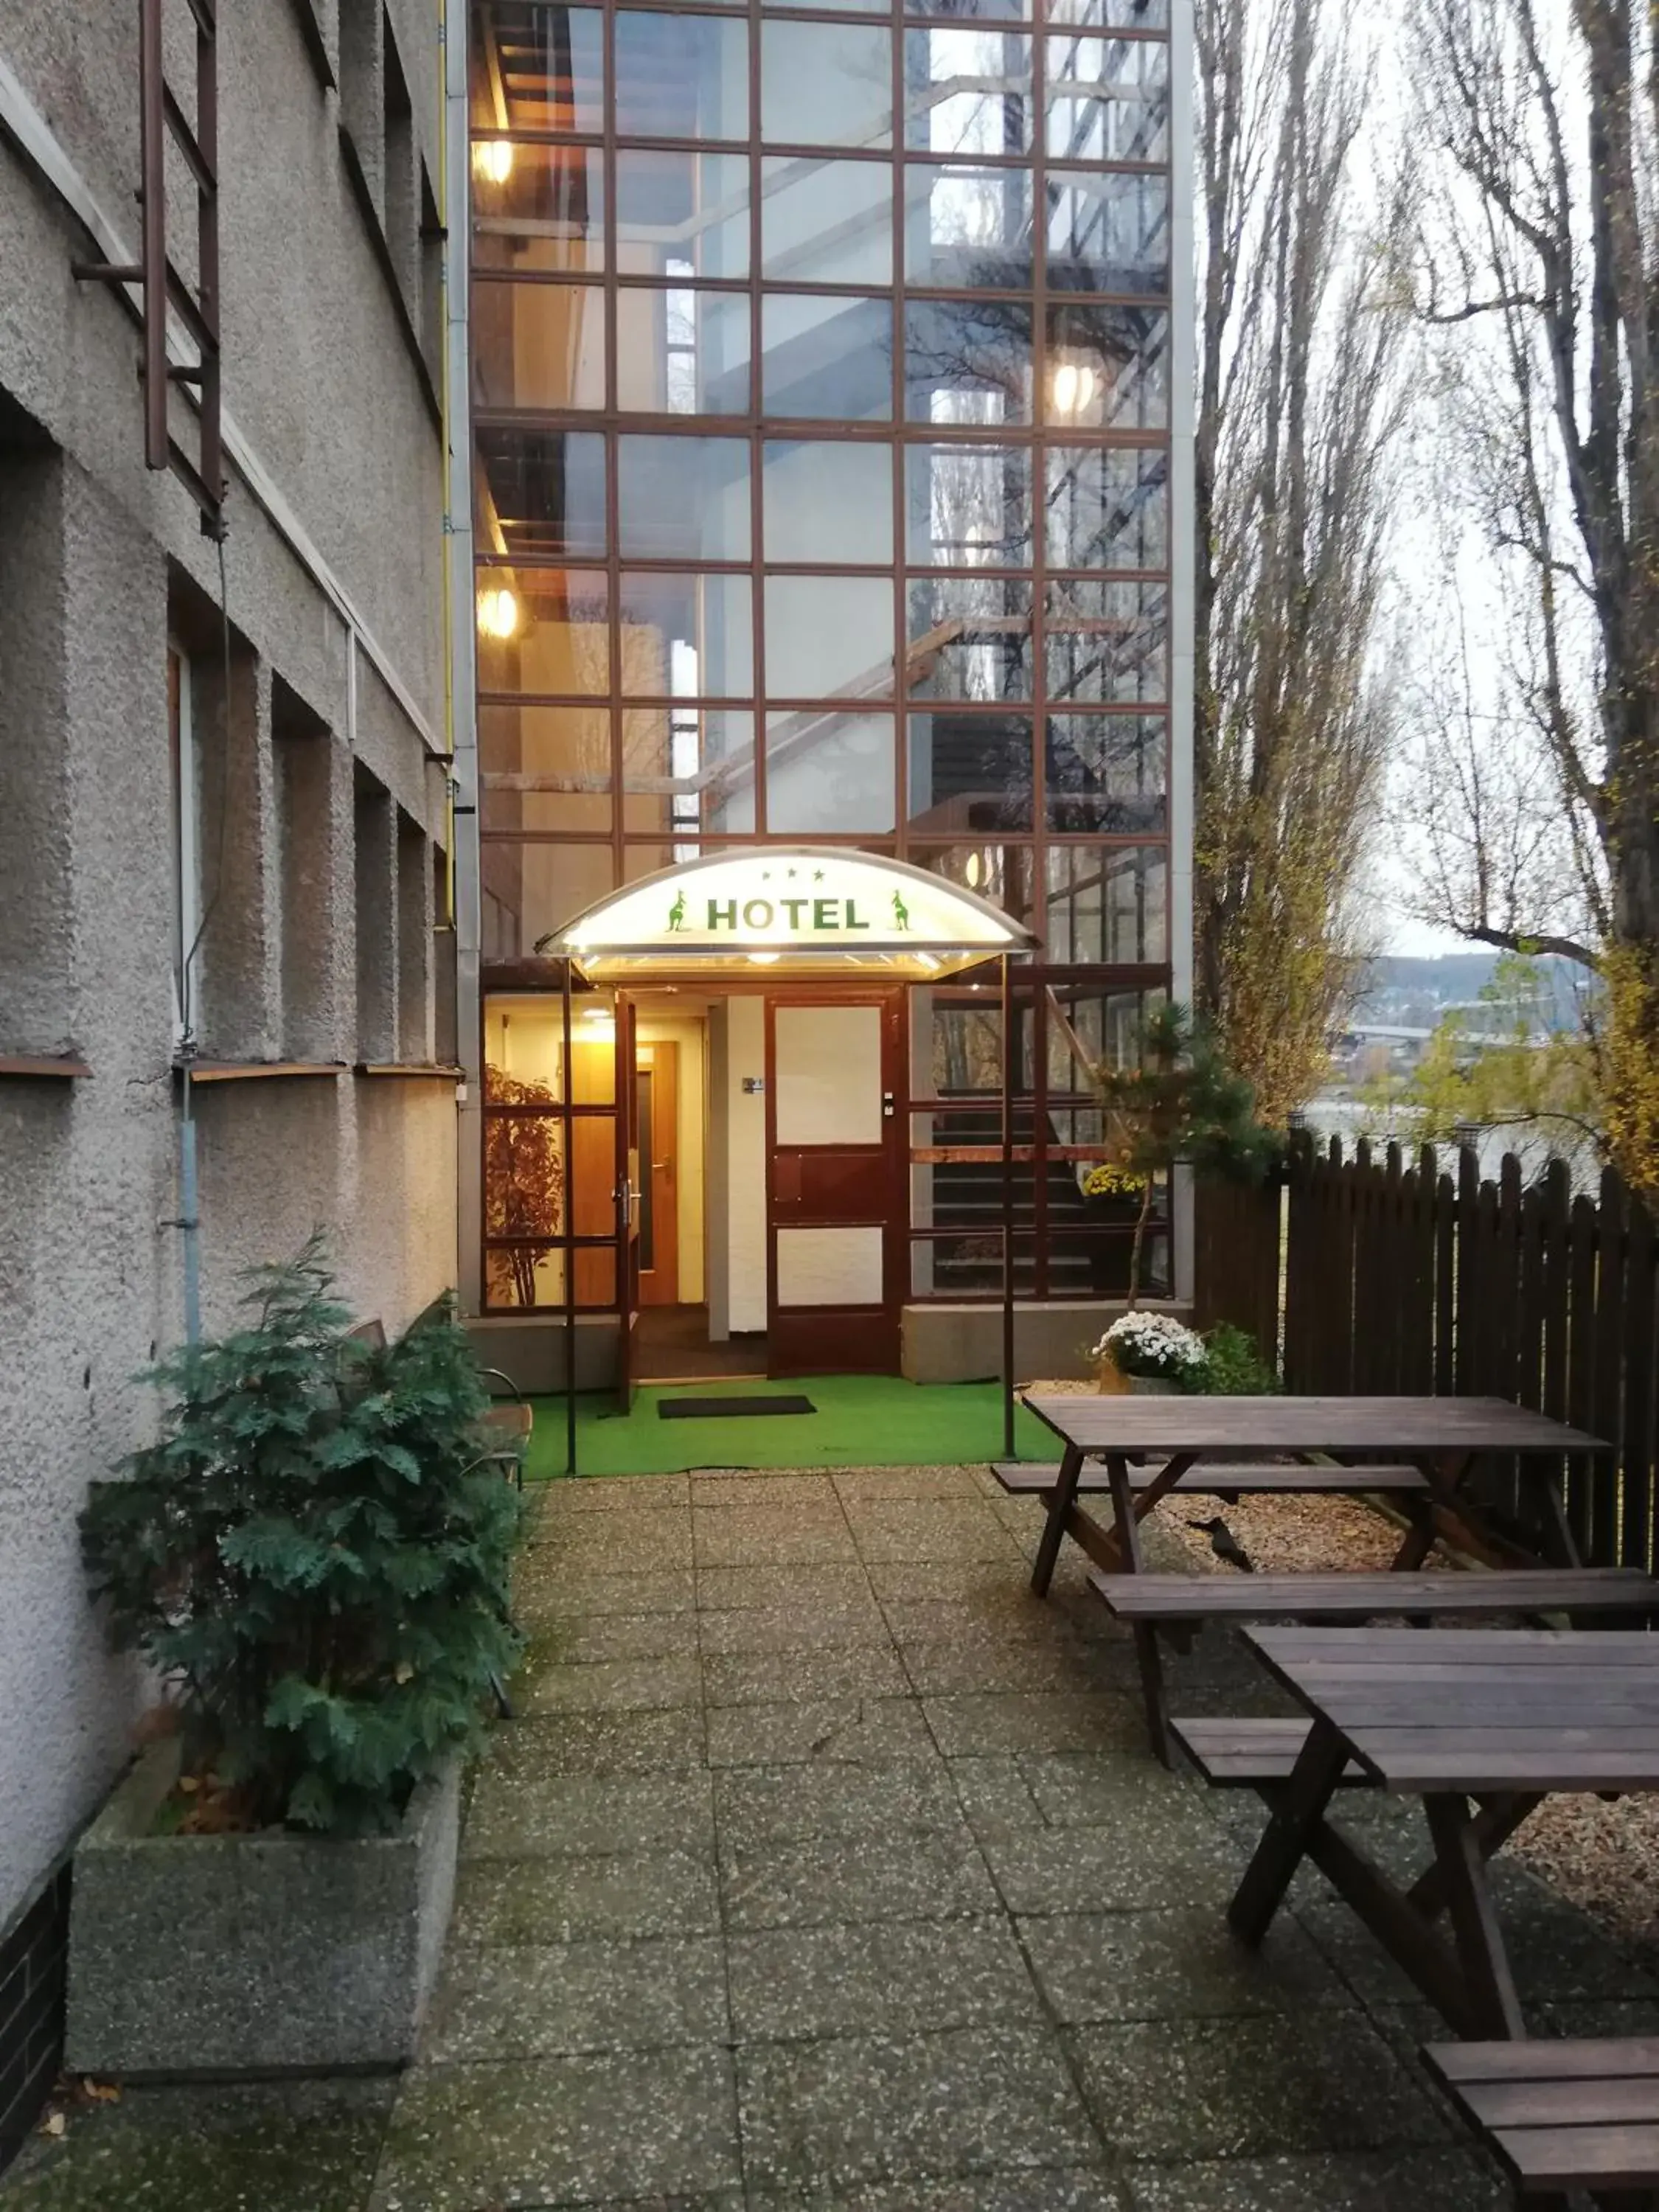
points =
(1178, 1605)
(1561, 2115)
(1248, 1753)
(1217, 1479)
(1191, 1599)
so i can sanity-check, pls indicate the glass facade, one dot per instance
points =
(821, 408)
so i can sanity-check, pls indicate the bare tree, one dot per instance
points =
(1303, 337)
(1542, 266)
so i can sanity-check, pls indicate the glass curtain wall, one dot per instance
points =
(821, 382)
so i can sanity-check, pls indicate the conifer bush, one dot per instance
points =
(315, 1555)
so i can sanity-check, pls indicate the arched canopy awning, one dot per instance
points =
(805, 910)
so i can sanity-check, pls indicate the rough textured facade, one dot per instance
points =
(311, 793)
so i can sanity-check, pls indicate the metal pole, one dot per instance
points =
(1008, 1210)
(567, 1130)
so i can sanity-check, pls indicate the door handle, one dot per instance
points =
(887, 1107)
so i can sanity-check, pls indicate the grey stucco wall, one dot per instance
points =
(320, 378)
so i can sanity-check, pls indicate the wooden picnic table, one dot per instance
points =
(1504, 1717)
(1443, 1436)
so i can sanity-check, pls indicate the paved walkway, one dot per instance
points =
(825, 1868)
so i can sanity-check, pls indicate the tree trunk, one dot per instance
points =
(1137, 1248)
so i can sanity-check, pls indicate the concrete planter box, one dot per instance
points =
(223, 1957)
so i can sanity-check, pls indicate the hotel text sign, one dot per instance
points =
(764, 905)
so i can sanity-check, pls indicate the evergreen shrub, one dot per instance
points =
(315, 1555)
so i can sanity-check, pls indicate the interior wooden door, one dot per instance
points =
(836, 1191)
(657, 1092)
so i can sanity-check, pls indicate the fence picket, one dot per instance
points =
(1372, 1276)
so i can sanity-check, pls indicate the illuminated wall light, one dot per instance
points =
(492, 161)
(498, 612)
(1074, 388)
(974, 872)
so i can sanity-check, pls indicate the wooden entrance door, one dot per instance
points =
(837, 1217)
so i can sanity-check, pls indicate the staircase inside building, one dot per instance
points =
(968, 1199)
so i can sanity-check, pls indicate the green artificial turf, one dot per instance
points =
(862, 1420)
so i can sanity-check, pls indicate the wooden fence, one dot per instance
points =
(1368, 1275)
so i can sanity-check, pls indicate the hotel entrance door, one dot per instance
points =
(835, 1212)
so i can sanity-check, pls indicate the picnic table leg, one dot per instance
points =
(1298, 1810)
(1418, 1539)
(1061, 1501)
(1148, 1657)
(1493, 2001)
(1492, 1826)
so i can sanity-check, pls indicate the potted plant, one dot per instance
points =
(1178, 1105)
(1112, 1198)
(314, 1559)
(1149, 1354)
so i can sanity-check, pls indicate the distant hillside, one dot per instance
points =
(1417, 992)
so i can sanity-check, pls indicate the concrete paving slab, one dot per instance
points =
(847, 2111)
(929, 1530)
(546, 2000)
(608, 1686)
(893, 1977)
(1013, 1720)
(529, 1814)
(598, 1743)
(1172, 1965)
(843, 1731)
(562, 1899)
(286, 2147)
(1117, 1868)
(561, 2130)
(649, 1541)
(808, 1882)
(556, 1637)
(817, 1585)
(822, 1674)
(776, 1804)
(754, 1630)
(1195, 2089)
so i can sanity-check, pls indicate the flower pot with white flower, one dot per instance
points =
(1149, 1355)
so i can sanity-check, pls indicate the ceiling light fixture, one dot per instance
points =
(1074, 388)
(498, 612)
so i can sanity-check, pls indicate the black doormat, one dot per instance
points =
(727, 1409)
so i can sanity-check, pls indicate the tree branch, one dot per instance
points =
(1543, 948)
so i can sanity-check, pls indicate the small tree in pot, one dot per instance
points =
(316, 1554)
(314, 1559)
(1181, 1105)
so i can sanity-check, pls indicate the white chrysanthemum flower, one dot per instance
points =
(1151, 1343)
